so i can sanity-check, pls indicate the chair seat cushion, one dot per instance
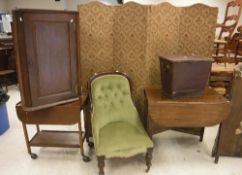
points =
(121, 139)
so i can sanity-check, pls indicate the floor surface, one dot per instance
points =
(175, 154)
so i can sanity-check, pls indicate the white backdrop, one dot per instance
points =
(8, 5)
(221, 4)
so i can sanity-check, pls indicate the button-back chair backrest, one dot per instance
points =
(110, 96)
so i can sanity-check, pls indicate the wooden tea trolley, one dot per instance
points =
(65, 114)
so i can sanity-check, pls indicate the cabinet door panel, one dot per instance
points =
(51, 56)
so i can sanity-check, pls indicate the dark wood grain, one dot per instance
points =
(184, 76)
(68, 113)
(47, 61)
(164, 112)
(231, 142)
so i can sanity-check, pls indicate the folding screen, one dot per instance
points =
(130, 35)
(179, 30)
(130, 38)
(96, 38)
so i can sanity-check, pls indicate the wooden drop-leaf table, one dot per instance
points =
(194, 112)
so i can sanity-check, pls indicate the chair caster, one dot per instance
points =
(147, 170)
(91, 144)
(85, 158)
(33, 156)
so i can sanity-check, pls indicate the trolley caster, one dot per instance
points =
(90, 144)
(85, 158)
(33, 156)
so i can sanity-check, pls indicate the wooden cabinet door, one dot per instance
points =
(51, 55)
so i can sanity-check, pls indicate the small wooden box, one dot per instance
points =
(184, 76)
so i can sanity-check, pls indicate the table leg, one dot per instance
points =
(218, 144)
(201, 134)
(194, 131)
(37, 128)
(149, 128)
(26, 136)
(84, 157)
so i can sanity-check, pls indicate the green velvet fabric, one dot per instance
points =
(117, 129)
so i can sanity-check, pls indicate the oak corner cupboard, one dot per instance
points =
(46, 46)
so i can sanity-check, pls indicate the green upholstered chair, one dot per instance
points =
(117, 129)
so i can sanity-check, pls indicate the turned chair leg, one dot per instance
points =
(148, 158)
(101, 164)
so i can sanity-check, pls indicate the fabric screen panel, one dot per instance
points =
(163, 37)
(130, 38)
(197, 30)
(96, 39)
